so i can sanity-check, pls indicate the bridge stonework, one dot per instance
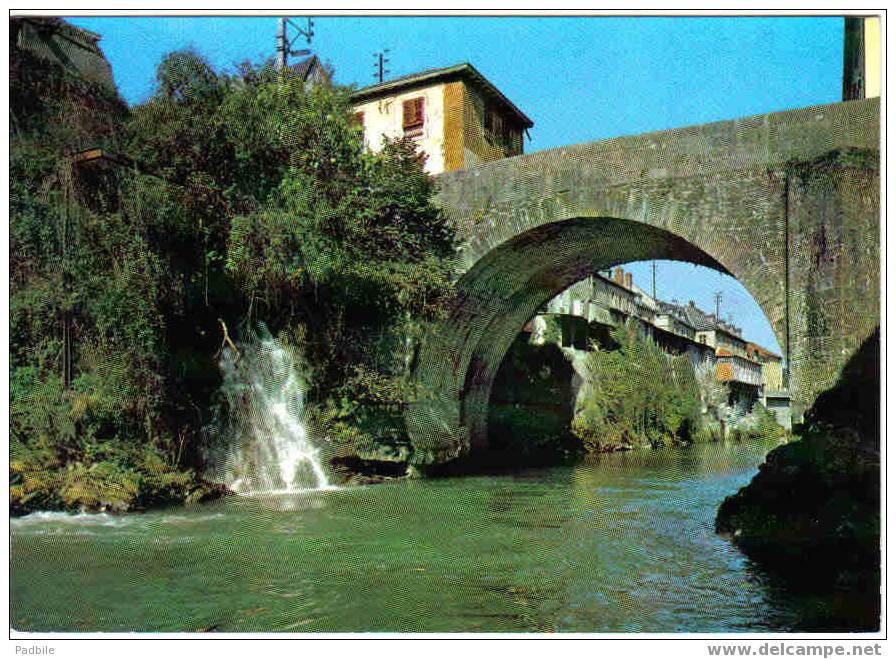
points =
(788, 203)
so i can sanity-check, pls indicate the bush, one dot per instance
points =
(636, 395)
(760, 423)
(531, 405)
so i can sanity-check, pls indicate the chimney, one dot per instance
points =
(691, 304)
(628, 280)
(617, 276)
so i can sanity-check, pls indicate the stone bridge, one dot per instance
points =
(788, 203)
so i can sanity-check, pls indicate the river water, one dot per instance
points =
(620, 543)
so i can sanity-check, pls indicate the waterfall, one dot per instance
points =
(261, 445)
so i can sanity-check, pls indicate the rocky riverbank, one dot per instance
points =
(813, 510)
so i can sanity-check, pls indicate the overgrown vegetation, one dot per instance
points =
(636, 395)
(531, 405)
(250, 198)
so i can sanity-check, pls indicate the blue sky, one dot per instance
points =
(579, 79)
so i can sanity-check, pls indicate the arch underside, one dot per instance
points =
(496, 297)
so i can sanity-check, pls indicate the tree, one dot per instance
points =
(350, 249)
(253, 199)
(88, 287)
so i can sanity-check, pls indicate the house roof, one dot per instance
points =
(762, 352)
(613, 282)
(305, 68)
(690, 315)
(74, 48)
(465, 71)
(701, 321)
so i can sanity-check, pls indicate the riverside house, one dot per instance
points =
(588, 311)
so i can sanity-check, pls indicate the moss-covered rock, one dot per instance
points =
(814, 500)
(813, 510)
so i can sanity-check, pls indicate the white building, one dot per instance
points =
(458, 118)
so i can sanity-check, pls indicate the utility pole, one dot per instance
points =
(66, 287)
(284, 43)
(718, 297)
(653, 267)
(380, 60)
(281, 45)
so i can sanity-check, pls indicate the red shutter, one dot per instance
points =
(412, 114)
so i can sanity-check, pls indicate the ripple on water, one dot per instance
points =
(60, 523)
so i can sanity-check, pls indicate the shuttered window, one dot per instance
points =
(412, 116)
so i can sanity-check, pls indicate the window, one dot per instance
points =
(358, 122)
(412, 117)
(499, 131)
(495, 124)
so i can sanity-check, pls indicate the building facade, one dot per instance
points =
(587, 311)
(457, 117)
(73, 48)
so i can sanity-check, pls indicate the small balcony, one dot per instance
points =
(734, 368)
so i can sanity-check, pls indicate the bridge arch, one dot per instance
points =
(787, 203)
(500, 293)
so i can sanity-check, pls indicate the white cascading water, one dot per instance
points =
(264, 445)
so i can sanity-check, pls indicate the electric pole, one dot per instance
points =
(284, 43)
(718, 297)
(653, 267)
(66, 282)
(380, 60)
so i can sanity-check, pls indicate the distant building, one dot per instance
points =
(589, 309)
(56, 40)
(310, 70)
(734, 366)
(772, 369)
(455, 114)
(861, 57)
(775, 394)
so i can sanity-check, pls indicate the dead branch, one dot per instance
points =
(228, 341)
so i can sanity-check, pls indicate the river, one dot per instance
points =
(619, 543)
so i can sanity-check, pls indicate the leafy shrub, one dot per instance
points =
(636, 395)
(760, 423)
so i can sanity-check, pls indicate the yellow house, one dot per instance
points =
(861, 57)
(458, 118)
(772, 371)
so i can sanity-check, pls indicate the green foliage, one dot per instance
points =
(252, 198)
(531, 405)
(760, 423)
(350, 247)
(104, 441)
(185, 76)
(636, 395)
(553, 333)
